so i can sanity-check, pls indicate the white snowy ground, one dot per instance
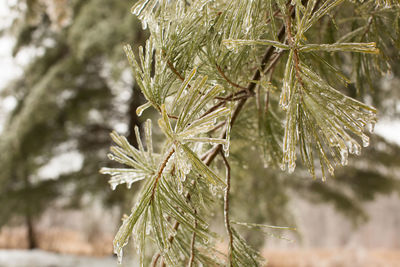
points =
(40, 258)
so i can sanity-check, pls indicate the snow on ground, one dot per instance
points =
(40, 258)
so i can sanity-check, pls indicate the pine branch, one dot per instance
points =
(210, 156)
(318, 117)
(250, 88)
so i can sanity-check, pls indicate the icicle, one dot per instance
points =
(344, 154)
(371, 127)
(357, 149)
(129, 184)
(365, 140)
(282, 166)
(119, 252)
(351, 148)
(291, 167)
(231, 46)
(114, 185)
(331, 170)
(142, 108)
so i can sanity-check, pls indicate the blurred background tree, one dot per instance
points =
(73, 92)
(77, 87)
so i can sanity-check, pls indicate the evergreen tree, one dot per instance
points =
(288, 78)
(68, 99)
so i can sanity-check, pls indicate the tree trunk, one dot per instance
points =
(31, 233)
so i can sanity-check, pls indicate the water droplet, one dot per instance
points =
(344, 154)
(113, 185)
(371, 127)
(282, 166)
(231, 46)
(331, 170)
(180, 186)
(357, 149)
(225, 147)
(365, 140)
(119, 252)
(142, 108)
(350, 145)
(291, 167)
(265, 163)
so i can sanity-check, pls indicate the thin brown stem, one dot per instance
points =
(174, 70)
(367, 27)
(156, 257)
(257, 76)
(161, 169)
(176, 225)
(172, 117)
(169, 115)
(274, 15)
(231, 96)
(221, 72)
(273, 63)
(226, 207)
(219, 125)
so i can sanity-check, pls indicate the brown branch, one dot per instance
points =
(172, 117)
(156, 257)
(367, 28)
(226, 206)
(273, 63)
(160, 171)
(171, 66)
(229, 97)
(214, 151)
(220, 71)
(274, 15)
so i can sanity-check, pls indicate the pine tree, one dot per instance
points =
(66, 101)
(278, 68)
